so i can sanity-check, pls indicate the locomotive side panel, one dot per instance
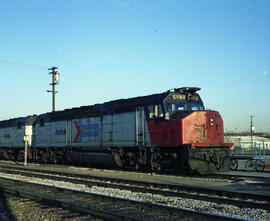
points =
(113, 130)
(83, 132)
(42, 133)
(11, 134)
(11, 137)
(127, 129)
(165, 133)
(53, 134)
(59, 133)
(107, 130)
(123, 130)
(142, 128)
(86, 132)
(16, 136)
(5, 137)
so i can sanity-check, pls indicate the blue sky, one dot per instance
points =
(111, 49)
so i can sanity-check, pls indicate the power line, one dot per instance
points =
(262, 116)
(23, 64)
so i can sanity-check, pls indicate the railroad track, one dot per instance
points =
(237, 177)
(56, 197)
(240, 199)
(102, 206)
(20, 206)
(212, 195)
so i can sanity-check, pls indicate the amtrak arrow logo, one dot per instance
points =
(88, 130)
(78, 131)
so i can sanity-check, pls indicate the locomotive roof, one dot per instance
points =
(13, 122)
(115, 106)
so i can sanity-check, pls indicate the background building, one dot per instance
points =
(246, 145)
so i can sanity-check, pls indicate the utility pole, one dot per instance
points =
(55, 79)
(25, 138)
(251, 130)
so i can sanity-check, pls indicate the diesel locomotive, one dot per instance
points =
(165, 131)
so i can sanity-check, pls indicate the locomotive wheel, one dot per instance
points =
(20, 155)
(234, 164)
(259, 165)
(138, 166)
(156, 166)
(117, 159)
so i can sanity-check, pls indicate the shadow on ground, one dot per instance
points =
(5, 210)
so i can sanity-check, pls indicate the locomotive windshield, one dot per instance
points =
(175, 102)
(172, 107)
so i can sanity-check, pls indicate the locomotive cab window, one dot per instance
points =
(155, 111)
(173, 107)
(177, 102)
(151, 111)
(195, 106)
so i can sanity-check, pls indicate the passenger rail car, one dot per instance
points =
(166, 131)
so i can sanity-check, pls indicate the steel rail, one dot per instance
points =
(107, 215)
(234, 176)
(67, 205)
(240, 199)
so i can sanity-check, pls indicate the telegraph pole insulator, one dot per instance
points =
(55, 79)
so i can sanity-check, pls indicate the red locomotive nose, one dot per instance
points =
(203, 128)
(199, 128)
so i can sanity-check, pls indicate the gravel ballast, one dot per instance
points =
(196, 205)
(23, 209)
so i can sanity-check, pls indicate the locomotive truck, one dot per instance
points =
(164, 131)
